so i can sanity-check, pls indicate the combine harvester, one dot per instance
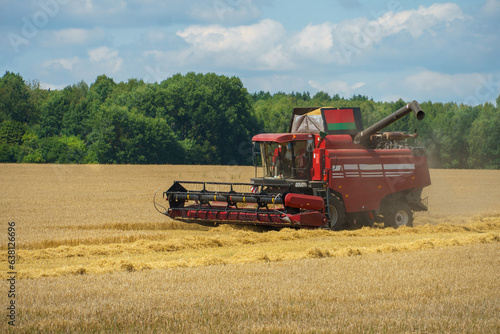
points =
(326, 172)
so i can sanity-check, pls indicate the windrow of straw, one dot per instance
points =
(232, 245)
(130, 264)
(231, 236)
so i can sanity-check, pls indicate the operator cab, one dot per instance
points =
(285, 160)
(283, 157)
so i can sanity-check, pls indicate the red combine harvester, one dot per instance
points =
(326, 172)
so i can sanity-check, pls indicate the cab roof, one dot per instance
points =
(281, 137)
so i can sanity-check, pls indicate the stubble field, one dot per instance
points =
(94, 255)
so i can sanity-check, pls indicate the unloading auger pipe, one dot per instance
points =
(364, 135)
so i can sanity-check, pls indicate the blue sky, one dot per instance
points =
(425, 50)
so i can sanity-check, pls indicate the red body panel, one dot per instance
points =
(310, 218)
(305, 202)
(364, 177)
(337, 142)
(281, 137)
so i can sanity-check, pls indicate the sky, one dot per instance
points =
(439, 51)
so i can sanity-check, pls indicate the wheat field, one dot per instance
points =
(94, 255)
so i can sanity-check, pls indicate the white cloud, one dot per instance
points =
(314, 40)
(258, 45)
(216, 38)
(266, 45)
(419, 20)
(102, 53)
(156, 54)
(64, 63)
(106, 58)
(273, 83)
(45, 85)
(337, 87)
(434, 82)
(358, 85)
(473, 88)
(491, 8)
(337, 42)
(74, 36)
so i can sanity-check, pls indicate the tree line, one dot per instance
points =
(206, 119)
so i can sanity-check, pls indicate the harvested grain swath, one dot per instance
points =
(226, 245)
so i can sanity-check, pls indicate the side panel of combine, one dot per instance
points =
(365, 177)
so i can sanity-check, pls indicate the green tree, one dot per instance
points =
(484, 138)
(52, 112)
(12, 132)
(101, 89)
(321, 97)
(120, 136)
(212, 111)
(76, 119)
(15, 99)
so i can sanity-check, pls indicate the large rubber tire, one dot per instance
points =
(401, 215)
(336, 213)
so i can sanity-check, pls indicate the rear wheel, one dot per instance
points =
(336, 213)
(401, 215)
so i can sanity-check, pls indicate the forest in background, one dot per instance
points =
(206, 119)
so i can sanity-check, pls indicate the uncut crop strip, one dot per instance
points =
(225, 245)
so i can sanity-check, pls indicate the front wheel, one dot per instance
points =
(336, 213)
(400, 216)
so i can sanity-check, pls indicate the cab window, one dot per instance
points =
(285, 160)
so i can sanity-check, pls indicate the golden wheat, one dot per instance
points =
(92, 249)
(450, 289)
